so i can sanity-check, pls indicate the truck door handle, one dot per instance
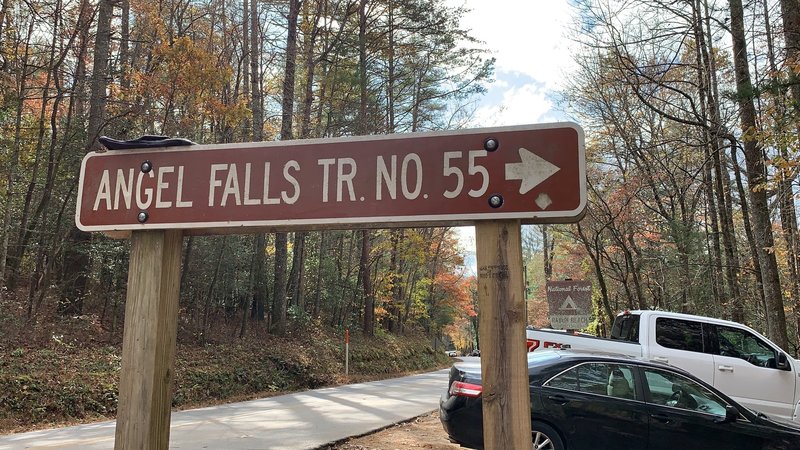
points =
(723, 368)
(661, 359)
(560, 399)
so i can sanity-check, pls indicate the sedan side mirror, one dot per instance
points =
(782, 362)
(731, 414)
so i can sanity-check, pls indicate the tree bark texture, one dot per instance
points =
(759, 207)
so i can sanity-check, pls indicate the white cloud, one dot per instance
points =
(529, 40)
(526, 36)
(520, 104)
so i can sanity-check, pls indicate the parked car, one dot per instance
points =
(582, 400)
(451, 353)
(725, 354)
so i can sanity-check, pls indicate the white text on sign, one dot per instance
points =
(232, 184)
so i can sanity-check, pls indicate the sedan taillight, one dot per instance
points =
(465, 389)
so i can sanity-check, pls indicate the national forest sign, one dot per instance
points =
(534, 173)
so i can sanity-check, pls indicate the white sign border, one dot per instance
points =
(355, 222)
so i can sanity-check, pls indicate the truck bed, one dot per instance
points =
(541, 339)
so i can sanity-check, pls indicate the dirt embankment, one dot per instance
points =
(66, 371)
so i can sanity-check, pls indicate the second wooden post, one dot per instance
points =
(501, 306)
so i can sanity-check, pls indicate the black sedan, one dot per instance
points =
(596, 401)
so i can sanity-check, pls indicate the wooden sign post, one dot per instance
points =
(148, 343)
(504, 366)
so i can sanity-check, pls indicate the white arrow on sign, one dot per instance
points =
(531, 170)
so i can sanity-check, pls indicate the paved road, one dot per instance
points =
(304, 420)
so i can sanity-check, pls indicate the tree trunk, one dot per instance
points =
(187, 260)
(790, 13)
(212, 287)
(246, 129)
(366, 285)
(259, 277)
(287, 112)
(30, 221)
(297, 274)
(97, 99)
(77, 253)
(124, 44)
(786, 178)
(391, 75)
(309, 40)
(759, 207)
(393, 318)
(247, 301)
(594, 255)
(748, 228)
(547, 252)
(4, 9)
(722, 177)
(253, 56)
(712, 181)
(315, 311)
(13, 164)
(366, 282)
(362, 67)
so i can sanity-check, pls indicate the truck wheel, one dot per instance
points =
(545, 437)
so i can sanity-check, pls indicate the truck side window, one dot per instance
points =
(626, 328)
(738, 343)
(679, 334)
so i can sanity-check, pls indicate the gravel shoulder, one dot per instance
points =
(423, 432)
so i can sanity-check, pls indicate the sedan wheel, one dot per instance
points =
(541, 441)
(545, 437)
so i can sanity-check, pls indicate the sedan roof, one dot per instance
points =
(543, 364)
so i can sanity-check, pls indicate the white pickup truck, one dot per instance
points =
(730, 356)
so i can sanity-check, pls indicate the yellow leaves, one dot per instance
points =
(229, 113)
(461, 334)
(381, 312)
(185, 79)
(793, 65)
(751, 134)
(188, 67)
(270, 249)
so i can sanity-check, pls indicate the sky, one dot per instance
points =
(529, 40)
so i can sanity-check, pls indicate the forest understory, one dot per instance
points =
(62, 370)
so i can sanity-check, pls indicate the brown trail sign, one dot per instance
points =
(494, 178)
(533, 173)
